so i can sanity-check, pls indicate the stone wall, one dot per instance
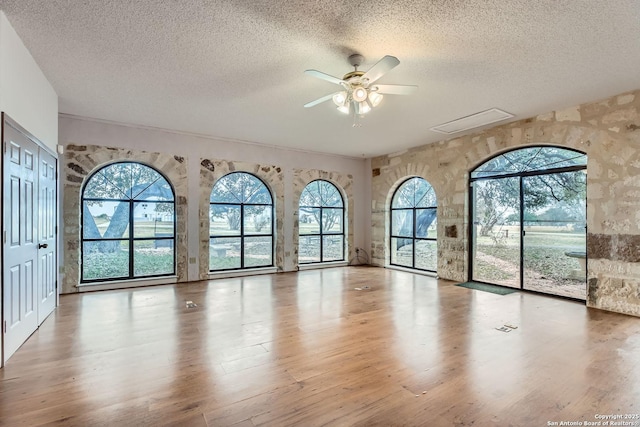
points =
(608, 131)
(79, 162)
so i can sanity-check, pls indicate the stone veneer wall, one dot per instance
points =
(302, 177)
(210, 171)
(80, 162)
(608, 131)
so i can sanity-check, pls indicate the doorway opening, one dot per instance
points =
(528, 210)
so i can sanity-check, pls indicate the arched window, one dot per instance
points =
(321, 223)
(240, 223)
(528, 221)
(128, 224)
(414, 226)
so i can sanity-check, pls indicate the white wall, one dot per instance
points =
(81, 131)
(25, 93)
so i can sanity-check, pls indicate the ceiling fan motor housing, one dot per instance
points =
(350, 75)
(356, 60)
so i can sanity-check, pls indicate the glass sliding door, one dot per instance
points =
(496, 231)
(554, 241)
(528, 212)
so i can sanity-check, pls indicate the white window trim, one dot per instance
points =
(411, 270)
(328, 264)
(242, 272)
(125, 284)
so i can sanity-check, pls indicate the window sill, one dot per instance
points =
(242, 273)
(313, 266)
(412, 270)
(124, 284)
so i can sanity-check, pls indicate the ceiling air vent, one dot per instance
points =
(473, 121)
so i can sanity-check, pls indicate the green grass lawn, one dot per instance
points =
(147, 262)
(544, 253)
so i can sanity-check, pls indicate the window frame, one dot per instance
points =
(414, 238)
(321, 234)
(242, 234)
(524, 173)
(130, 239)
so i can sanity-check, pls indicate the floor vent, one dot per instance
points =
(473, 121)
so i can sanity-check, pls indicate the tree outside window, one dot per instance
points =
(497, 198)
(240, 223)
(321, 223)
(128, 224)
(414, 225)
(528, 220)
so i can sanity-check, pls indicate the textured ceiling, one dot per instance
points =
(234, 69)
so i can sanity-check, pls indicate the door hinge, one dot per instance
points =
(5, 327)
(4, 237)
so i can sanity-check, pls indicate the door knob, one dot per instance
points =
(42, 246)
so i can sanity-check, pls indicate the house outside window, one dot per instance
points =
(128, 224)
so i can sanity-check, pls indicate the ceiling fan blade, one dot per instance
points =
(324, 76)
(319, 100)
(381, 68)
(394, 89)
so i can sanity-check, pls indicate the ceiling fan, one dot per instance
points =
(358, 87)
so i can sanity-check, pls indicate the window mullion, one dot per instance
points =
(413, 249)
(242, 235)
(131, 232)
(321, 235)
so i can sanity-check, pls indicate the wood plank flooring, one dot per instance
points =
(307, 349)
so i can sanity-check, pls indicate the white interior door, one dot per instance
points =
(47, 253)
(20, 264)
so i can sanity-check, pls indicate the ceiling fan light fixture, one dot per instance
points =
(363, 108)
(340, 98)
(359, 94)
(344, 108)
(375, 98)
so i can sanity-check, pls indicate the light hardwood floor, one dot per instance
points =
(308, 349)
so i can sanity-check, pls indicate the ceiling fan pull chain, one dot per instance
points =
(356, 123)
